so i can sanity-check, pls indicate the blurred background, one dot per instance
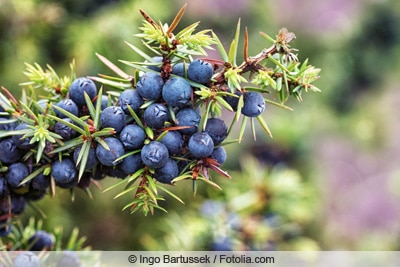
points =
(330, 177)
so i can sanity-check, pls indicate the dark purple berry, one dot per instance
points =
(180, 69)
(200, 145)
(22, 143)
(40, 240)
(233, 101)
(150, 85)
(68, 105)
(91, 160)
(131, 164)
(156, 63)
(173, 141)
(132, 98)
(154, 154)
(78, 87)
(10, 153)
(108, 157)
(177, 92)
(132, 137)
(200, 71)
(188, 117)
(217, 130)
(64, 173)
(113, 117)
(156, 115)
(219, 154)
(253, 104)
(16, 173)
(65, 131)
(167, 173)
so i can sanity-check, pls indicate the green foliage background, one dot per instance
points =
(339, 146)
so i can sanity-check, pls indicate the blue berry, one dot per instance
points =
(222, 244)
(18, 204)
(6, 126)
(40, 240)
(168, 172)
(22, 143)
(132, 137)
(150, 85)
(69, 259)
(156, 115)
(132, 98)
(5, 227)
(16, 173)
(113, 117)
(177, 92)
(92, 158)
(155, 154)
(233, 101)
(200, 145)
(26, 259)
(10, 153)
(65, 131)
(200, 71)
(3, 187)
(78, 87)
(131, 164)
(64, 173)
(188, 117)
(158, 60)
(173, 140)
(104, 102)
(219, 154)
(107, 157)
(217, 130)
(68, 105)
(180, 68)
(253, 104)
(40, 182)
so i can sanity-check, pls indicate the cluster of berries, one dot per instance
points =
(164, 106)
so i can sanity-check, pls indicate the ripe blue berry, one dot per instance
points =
(154, 154)
(78, 87)
(233, 101)
(150, 85)
(26, 259)
(64, 173)
(22, 143)
(188, 117)
(6, 126)
(3, 187)
(253, 104)
(5, 227)
(173, 141)
(168, 172)
(16, 173)
(104, 102)
(67, 105)
(40, 240)
(177, 92)
(10, 153)
(69, 259)
(217, 130)
(132, 98)
(92, 158)
(132, 137)
(180, 68)
(113, 117)
(200, 145)
(200, 71)
(40, 182)
(65, 131)
(219, 154)
(156, 115)
(18, 204)
(107, 157)
(131, 164)
(157, 60)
